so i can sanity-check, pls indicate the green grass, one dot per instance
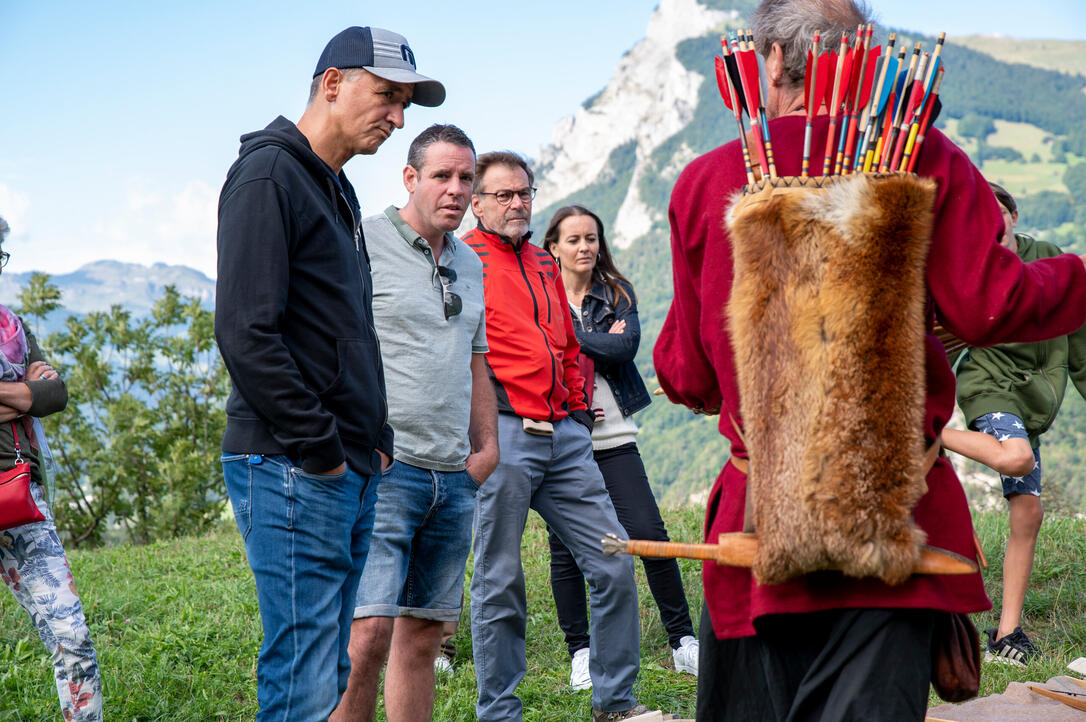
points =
(1066, 56)
(177, 630)
(1055, 610)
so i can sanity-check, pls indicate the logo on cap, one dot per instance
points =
(407, 55)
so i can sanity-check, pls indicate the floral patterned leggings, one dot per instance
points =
(35, 568)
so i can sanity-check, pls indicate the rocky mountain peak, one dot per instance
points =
(650, 97)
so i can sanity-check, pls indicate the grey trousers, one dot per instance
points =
(556, 476)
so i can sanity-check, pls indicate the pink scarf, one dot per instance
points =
(13, 345)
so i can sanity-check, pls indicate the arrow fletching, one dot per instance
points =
(831, 73)
(733, 72)
(748, 71)
(722, 81)
(892, 65)
(874, 60)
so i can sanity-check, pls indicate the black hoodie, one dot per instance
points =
(292, 310)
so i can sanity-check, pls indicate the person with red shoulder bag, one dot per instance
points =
(32, 559)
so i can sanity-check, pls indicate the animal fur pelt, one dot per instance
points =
(826, 317)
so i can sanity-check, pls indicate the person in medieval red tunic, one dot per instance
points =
(819, 646)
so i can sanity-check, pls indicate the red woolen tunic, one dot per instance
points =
(978, 290)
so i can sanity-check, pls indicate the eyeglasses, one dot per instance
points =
(453, 303)
(506, 197)
(4, 256)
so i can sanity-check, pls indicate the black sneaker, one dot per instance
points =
(1016, 648)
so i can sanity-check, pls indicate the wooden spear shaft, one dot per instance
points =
(738, 549)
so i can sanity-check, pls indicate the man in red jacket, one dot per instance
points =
(546, 460)
(818, 646)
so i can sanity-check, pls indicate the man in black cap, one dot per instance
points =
(306, 429)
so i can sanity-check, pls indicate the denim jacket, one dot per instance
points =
(613, 353)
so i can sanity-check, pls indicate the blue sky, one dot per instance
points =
(119, 119)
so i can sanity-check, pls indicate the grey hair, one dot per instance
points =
(348, 74)
(792, 25)
(4, 230)
(436, 133)
(499, 157)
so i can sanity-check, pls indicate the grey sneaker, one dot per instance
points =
(601, 716)
(579, 676)
(1016, 648)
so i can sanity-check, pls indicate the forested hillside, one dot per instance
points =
(1025, 126)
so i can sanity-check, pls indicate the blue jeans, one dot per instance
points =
(306, 537)
(556, 476)
(421, 538)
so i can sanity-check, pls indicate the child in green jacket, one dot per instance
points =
(1010, 394)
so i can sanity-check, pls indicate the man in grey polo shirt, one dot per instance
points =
(429, 312)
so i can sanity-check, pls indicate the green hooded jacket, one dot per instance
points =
(1024, 379)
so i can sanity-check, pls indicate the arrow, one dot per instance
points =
(810, 87)
(915, 98)
(861, 79)
(902, 100)
(856, 126)
(931, 112)
(935, 70)
(732, 100)
(885, 110)
(857, 56)
(834, 106)
(887, 69)
(763, 117)
(748, 72)
(936, 63)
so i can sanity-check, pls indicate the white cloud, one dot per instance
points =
(139, 196)
(156, 225)
(13, 209)
(188, 231)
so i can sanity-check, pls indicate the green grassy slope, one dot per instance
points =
(1065, 56)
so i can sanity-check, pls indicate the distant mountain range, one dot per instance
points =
(98, 286)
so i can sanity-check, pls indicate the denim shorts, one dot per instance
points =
(1005, 426)
(421, 538)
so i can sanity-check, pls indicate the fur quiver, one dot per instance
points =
(826, 317)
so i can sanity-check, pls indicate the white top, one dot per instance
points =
(612, 428)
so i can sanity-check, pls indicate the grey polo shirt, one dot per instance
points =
(426, 357)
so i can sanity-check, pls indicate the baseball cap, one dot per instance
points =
(385, 54)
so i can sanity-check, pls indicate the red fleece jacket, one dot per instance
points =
(533, 349)
(980, 291)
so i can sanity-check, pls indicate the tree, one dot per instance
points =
(37, 300)
(137, 447)
(1044, 210)
(976, 126)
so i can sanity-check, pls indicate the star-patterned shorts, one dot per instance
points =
(1008, 426)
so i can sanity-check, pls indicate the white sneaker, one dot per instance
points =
(442, 665)
(579, 676)
(686, 656)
